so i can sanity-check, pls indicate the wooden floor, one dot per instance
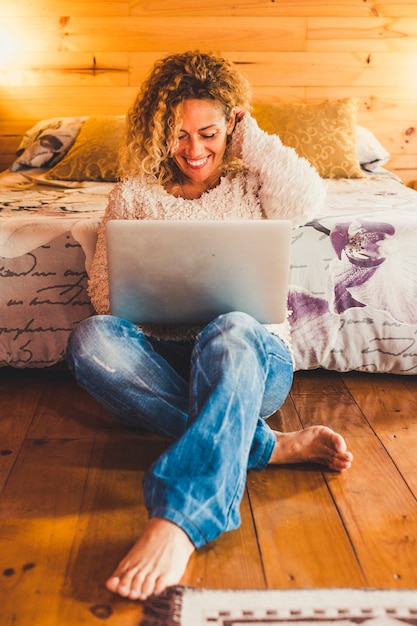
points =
(71, 503)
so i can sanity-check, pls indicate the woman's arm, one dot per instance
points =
(129, 200)
(98, 288)
(290, 188)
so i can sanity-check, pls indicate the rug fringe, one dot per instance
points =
(164, 609)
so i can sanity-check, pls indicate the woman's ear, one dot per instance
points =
(232, 122)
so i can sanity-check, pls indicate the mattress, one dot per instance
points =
(353, 275)
(43, 271)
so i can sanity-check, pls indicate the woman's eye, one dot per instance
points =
(202, 135)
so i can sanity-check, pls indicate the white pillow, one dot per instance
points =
(371, 153)
(47, 142)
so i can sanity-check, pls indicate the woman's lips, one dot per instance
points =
(196, 164)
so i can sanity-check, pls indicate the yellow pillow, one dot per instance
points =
(94, 155)
(324, 134)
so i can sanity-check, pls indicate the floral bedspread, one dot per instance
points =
(353, 292)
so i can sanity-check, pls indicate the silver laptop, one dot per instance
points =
(190, 271)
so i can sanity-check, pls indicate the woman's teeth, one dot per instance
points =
(197, 163)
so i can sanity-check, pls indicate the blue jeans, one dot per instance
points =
(239, 374)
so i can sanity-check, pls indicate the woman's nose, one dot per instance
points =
(194, 146)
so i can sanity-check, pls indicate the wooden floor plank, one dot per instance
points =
(111, 519)
(390, 408)
(38, 517)
(19, 399)
(68, 411)
(318, 383)
(296, 521)
(374, 502)
(331, 406)
(380, 515)
(298, 529)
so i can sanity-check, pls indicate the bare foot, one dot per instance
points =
(318, 444)
(157, 560)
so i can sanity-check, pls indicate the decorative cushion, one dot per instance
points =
(94, 156)
(371, 153)
(324, 134)
(47, 142)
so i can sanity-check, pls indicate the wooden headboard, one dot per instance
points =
(89, 57)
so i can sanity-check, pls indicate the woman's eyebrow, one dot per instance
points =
(209, 126)
(201, 129)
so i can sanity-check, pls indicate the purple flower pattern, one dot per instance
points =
(358, 246)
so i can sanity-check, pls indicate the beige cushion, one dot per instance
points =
(95, 153)
(325, 134)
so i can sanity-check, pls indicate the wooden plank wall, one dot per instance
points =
(86, 57)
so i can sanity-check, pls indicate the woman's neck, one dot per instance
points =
(190, 190)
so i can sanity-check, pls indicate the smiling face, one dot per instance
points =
(202, 141)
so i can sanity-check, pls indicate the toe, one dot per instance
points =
(143, 587)
(125, 585)
(112, 583)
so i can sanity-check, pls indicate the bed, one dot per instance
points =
(353, 276)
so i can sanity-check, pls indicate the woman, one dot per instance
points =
(193, 151)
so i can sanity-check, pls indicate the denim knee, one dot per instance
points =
(237, 319)
(258, 345)
(235, 323)
(85, 339)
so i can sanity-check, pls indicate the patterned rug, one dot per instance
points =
(185, 606)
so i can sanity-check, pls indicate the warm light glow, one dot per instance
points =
(8, 47)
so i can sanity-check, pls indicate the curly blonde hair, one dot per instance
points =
(154, 121)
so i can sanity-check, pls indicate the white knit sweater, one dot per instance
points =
(277, 184)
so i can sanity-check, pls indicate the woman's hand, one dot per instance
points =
(240, 113)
